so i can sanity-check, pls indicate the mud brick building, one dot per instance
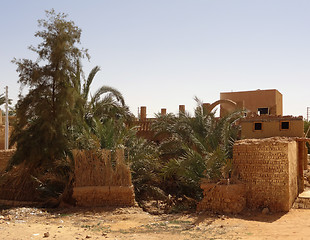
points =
(262, 102)
(265, 126)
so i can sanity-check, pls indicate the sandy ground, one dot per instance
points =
(133, 223)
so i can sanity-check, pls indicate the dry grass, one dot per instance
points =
(18, 184)
(101, 168)
(92, 168)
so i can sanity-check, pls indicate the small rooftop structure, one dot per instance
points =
(262, 102)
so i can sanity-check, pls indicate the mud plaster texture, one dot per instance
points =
(268, 168)
(223, 198)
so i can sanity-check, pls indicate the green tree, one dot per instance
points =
(46, 114)
(96, 106)
(106, 103)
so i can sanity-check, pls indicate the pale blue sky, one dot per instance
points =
(162, 53)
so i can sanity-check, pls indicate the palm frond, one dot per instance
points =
(106, 89)
(88, 82)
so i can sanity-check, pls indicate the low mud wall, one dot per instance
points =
(269, 169)
(223, 198)
(102, 179)
(104, 196)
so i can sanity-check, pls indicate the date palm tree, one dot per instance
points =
(197, 147)
(102, 115)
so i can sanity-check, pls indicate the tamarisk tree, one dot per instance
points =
(45, 115)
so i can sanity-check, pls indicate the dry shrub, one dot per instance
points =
(102, 179)
(19, 184)
(24, 183)
(5, 156)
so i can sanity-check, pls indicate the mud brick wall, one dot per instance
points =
(268, 167)
(102, 179)
(222, 198)
(5, 156)
(98, 196)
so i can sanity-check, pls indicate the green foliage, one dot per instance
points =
(214, 164)
(106, 103)
(45, 114)
(146, 169)
(102, 117)
(182, 175)
(197, 147)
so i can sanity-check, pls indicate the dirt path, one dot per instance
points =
(133, 223)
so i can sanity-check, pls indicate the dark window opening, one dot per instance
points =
(285, 125)
(262, 111)
(257, 126)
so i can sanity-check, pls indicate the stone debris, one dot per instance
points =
(22, 213)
